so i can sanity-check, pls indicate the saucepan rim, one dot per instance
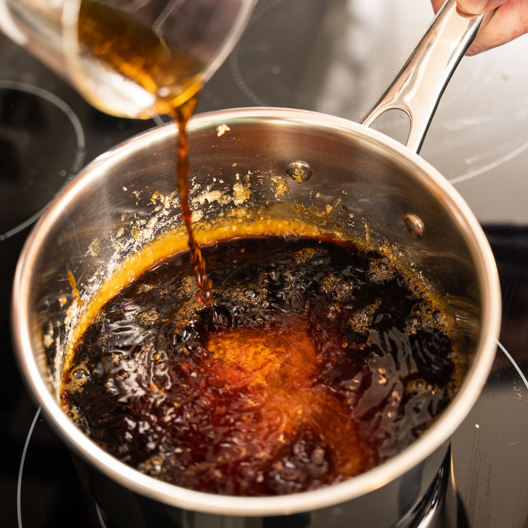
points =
(172, 495)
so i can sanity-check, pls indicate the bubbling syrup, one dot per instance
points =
(316, 362)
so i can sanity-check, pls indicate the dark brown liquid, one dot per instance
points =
(157, 65)
(316, 363)
(182, 115)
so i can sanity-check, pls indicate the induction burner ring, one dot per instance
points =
(513, 362)
(477, 172)
(80, 150)
(261, 9)
(21, 469)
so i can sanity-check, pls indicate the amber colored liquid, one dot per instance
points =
(317, 363)
(139, 54)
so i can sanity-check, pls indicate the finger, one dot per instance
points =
(471, 6)
(437, 4)
(479, 6)
(507, 23)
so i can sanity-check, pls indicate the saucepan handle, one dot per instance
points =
(419, 84)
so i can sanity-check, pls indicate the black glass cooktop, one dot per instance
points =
(329, 56)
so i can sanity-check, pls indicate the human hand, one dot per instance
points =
(509, 21)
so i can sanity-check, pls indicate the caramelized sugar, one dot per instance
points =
(316, 362)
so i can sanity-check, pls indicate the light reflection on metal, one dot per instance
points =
(420, 82)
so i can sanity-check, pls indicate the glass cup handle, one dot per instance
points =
(419, 84)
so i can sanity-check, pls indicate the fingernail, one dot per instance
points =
(473, 6)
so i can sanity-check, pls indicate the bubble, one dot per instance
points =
(437, 316)
(204, 296)
(363, 317)
(79, 373)
(318, 456)
(415, 322)
(148, 317)
(190, 313)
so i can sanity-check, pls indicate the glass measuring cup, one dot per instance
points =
(130, 58)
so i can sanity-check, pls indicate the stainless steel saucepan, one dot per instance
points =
(371, 186)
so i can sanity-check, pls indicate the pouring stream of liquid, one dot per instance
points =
(181, 115)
